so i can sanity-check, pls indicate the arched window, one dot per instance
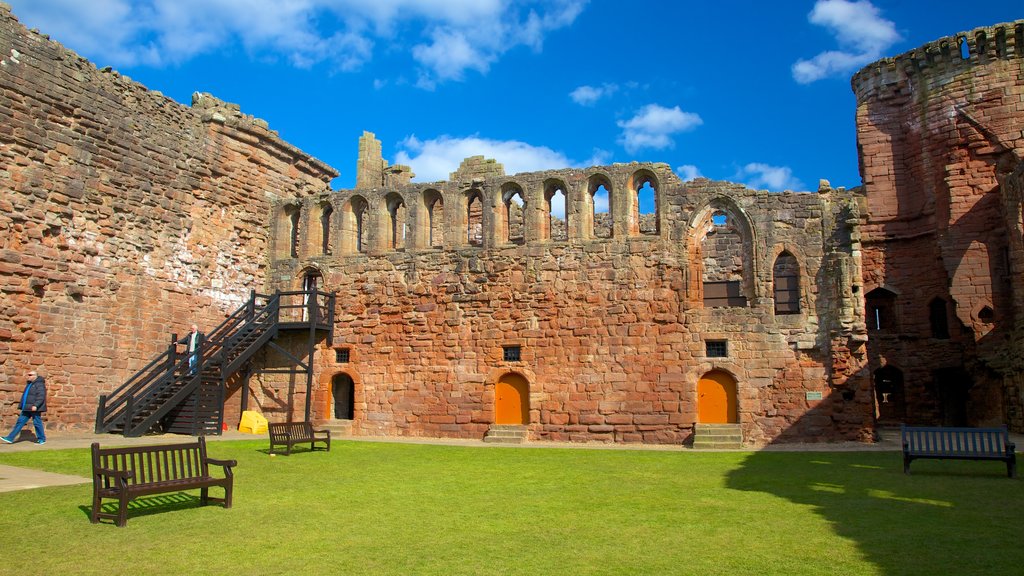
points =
(643, 203)
(325, 228)
(293, 233)
(434, 204)
(515, 214)
(600, 207)
(475, 218)
(724, 261)
(938, 318)
(555, 208)
(397, 221)
(881, 310)
(786, 284)
(353, 225)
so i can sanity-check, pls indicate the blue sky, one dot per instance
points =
(749, 91)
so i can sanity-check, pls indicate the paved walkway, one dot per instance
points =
(16, 478)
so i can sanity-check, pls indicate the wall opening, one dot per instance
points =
(555, 207)
(890, 401)
(512, 400)
(601, 204)
(938, 318)
(293, 233)
(397, 219)
(786, 284)
(515, 215)
(880, 305)
(723, 265)
(326, 211)
(343, 395)
(716, 398)
(475, 218)
(353, 225)
(434, 203)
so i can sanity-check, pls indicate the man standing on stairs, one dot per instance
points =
(194, 340)
(32, 405)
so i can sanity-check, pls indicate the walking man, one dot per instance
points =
(194, 341)
(32, 405)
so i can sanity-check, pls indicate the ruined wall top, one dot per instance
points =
(950, 55)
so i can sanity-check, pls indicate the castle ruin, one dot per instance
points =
(461, 305)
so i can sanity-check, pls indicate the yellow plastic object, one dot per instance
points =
(252, 423)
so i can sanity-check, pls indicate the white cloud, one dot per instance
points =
(763, 176)
(589, 95)
(653, 127)
(863, 37)
(688, 172)
(445, 37)
(433, 160)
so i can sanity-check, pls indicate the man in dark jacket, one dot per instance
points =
(32, 405)
(194, 341)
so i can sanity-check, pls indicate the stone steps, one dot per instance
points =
(338, 428)
(717, 437)
(506, 434)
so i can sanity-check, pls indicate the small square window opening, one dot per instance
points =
(716, 348)
(341, 355)
(512, 353)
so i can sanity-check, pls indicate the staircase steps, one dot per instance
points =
(506, 434)
(338, 428)
(717, 437)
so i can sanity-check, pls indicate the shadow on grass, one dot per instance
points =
(148, 505)
(947, 518)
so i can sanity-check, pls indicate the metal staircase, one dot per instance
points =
(165, 396)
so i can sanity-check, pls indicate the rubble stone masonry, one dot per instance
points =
(124, 216)
(940, 142)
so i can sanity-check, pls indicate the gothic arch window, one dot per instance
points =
(326, 211)
(555, 208)
(354, 227)
(601, 213)
(786, 284)
(881, 310)
(644, 203)
(725, 259)
(397, 220)
(938, 319)
(514, 204)
(434, 225)
(474, 218)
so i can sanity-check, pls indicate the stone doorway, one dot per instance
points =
(343, 394)
(890, 398)
(512, 400)
(716, 398)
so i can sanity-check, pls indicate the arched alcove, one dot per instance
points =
(354, 229)
(786, 284)
(601, 213)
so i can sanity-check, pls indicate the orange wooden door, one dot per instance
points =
(716, 399)
(512, 400)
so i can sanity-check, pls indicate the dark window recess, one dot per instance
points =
(716, 348)
(341, 355)
(512, 353)
(937, 318)
(719, 294)
(987, 315)
(787, 294)
(881, 310)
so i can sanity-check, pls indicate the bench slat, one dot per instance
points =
(958, 444)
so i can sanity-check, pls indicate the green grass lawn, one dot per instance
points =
(376, 508)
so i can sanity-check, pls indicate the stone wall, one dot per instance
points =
(939, 131)
(613, 331)
(124, 216)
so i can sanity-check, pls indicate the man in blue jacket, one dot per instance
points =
(32, 405)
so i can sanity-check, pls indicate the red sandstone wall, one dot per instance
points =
(936, 133)
(124, 216)
(613, 339)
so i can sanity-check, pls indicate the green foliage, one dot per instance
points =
(380, 508)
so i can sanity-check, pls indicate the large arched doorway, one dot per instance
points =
(716, 398)
(512, 400)
(343, 393)
(890, 399)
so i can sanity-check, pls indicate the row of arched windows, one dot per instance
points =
(723, 256)
(553, 213)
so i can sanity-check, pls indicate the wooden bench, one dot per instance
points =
(127, 473)
(288, 434)
(958, 444)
